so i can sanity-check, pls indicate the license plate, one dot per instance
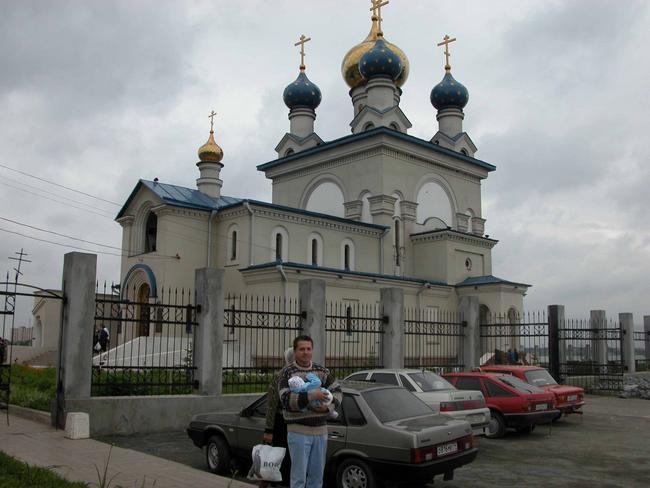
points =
(572, 398)
(447, 449)
(540, 406)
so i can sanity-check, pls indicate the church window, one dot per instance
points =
(151, 233)
(464, 151)
(434, 206)
(347, 254)
(289, 152)
(233, 245)
(468, 264)
(278, 247)
(394, 126)
(398, 244)
(368, 126)
(314, 252)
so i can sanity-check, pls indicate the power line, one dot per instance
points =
(58, 184)
(57, 201)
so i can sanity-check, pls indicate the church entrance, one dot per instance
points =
(143, 310)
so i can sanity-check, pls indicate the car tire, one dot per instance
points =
(497, 426)
(354, 473)
(217, 455)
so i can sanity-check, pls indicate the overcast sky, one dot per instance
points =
(97, 94)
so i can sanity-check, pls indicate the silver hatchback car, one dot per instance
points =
(437, 392)
(382, 433)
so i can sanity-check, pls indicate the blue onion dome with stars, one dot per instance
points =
(380, 61)
(302, 93)
(449, 94)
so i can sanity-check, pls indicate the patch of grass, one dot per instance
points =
(16, 474)
(32, 387)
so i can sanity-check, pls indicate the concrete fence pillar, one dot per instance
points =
(626, 321)
(598, 321)
(556, 348)
(392, 304)
(312, 306)
(468, 311)
(646, 329)
(208, 347)
(77, 329)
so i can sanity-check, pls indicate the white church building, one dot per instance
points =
(372, 209)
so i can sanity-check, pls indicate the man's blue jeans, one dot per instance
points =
(307, 459)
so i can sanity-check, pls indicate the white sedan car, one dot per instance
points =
(435, 391)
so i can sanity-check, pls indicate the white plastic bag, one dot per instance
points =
(266, 463)
(98, 347)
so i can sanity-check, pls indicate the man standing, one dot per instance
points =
(104, 337)
(306, 422)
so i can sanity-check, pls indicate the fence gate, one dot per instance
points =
(434, 339)
(515, 338)
(9, 336)
(354, 337)
(591, 354)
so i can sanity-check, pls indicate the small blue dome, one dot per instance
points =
(302, 93)
(380, 61)
(449, 94)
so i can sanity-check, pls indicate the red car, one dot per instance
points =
(568, 399)
(512, 402)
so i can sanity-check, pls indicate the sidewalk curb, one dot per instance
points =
(31, 414)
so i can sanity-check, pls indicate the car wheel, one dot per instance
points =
(217, 455)
(497, 426)
(354, 473)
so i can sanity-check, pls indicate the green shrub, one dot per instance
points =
(32, 387)
(16, 474)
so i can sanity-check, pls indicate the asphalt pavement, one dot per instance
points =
(608, 446)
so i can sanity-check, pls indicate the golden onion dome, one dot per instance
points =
(350, 64)
(210, 151)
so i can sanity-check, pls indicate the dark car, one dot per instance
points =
(382, 433)
(512, 402)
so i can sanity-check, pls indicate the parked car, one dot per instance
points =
(435, 391)
(382, 433)
(512, 403)
(568, 399)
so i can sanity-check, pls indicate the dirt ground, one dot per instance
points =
(608, 446)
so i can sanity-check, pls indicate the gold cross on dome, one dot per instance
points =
(211, 117)
(376, 10)
(447, 40)
(301, 43)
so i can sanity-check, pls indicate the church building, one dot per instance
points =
(372, 209)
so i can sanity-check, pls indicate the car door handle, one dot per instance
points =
(336, 435)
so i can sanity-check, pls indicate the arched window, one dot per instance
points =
(278, 247)
(314, 252)
(151, 233)
(464, 151)
(327, 197)
(394, 126)
(315, 249)
(368, 126)
(434, 201)
(288, 152)
(233, 245)
(347, 255)
(398, 243)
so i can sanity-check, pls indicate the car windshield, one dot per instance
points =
(389, 404)
(520, 385)
(428, 381)
(539, 377)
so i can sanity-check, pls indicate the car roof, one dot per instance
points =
(360, 386)
(392, 370)
(504, 367)
(479, 374)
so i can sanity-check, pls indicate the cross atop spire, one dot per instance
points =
(301, 43)
(376, 11)
(446, 41)
(211, 117)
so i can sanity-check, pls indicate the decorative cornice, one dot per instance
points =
(125, 220)
(452, 235)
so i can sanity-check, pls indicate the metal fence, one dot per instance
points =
(515, 339)
(149, 346)
(591, 354)
(257, 332)
(434, 339)
(354, 335)
(641, 345)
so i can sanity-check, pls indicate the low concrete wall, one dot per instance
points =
(20, 354)
(144, 414)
